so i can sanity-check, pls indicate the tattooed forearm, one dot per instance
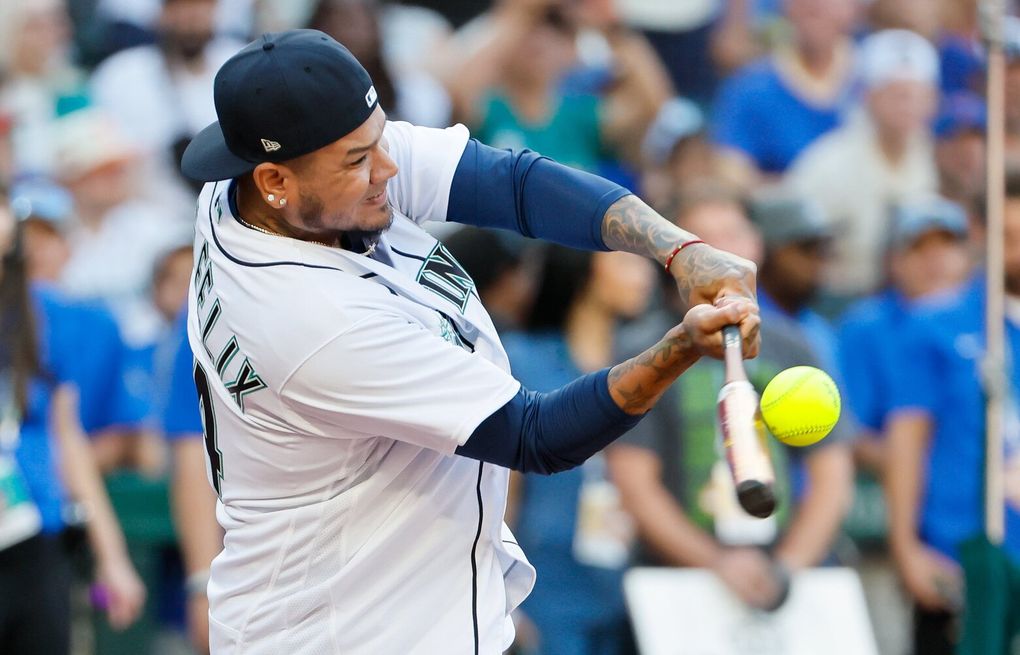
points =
(702, 272)
(632, 226)
(639, 382)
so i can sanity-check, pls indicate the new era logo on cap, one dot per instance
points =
(326, 95)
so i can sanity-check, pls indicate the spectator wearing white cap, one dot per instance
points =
(880, 158)
(114, 236)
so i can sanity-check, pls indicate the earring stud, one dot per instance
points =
(270, 197)
(283, 202)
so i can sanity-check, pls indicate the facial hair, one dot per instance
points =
(354, 240)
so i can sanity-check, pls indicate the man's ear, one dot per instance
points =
(275, 182)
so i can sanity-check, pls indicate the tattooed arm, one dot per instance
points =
(637, 384)
(703, 273)
(557, 430)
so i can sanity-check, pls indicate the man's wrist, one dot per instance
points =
(680, 247)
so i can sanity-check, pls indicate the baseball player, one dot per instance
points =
(359, 413)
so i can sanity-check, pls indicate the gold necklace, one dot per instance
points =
(276, 234)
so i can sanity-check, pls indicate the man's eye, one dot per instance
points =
(359, 161)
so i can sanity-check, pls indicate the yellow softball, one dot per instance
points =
(800, 405)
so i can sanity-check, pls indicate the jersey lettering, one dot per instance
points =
(248, 381)
(237, 374)
(444, 276)
(208, 414)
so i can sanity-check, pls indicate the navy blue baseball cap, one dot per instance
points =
(282, 96)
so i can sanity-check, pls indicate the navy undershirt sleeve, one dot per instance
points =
(551, 432)
(531, 195)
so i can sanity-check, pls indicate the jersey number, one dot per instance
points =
(205, 406)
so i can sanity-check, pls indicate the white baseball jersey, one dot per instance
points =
(334, 388)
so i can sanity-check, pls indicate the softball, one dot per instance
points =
(800, 405)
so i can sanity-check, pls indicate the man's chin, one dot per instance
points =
(368, 238)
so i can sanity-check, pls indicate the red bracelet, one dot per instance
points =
(669, 260)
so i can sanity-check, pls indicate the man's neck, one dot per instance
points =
(893, 145)
(255, 213)
(817, 75)
(817, 61)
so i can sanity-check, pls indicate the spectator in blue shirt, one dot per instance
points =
(44, 461)
(768, 112)
(99, 362)
(928, 259)
(577, 606)
(935, 436)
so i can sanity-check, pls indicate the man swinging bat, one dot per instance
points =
(359, 413)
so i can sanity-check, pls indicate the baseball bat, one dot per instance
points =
(743, 433)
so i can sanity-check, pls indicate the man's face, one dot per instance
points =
(104, 186)
(797, 268)
(935, 261)
(902, 107)
(46, 251)
(820, 23)
(342, 187)
(961, 163)
(1011, 245)
(724, 225)
(186, 26)
(41, 40)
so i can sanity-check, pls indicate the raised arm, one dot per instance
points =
(534, 196)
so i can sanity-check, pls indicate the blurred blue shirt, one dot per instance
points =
(939, 374)
(868, 345)
(570, 600)
(756, 113)
(179, 415)
(80, 345)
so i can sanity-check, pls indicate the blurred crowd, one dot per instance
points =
(838, 144)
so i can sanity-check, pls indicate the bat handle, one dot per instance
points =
(731, 337)
(733, 352)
